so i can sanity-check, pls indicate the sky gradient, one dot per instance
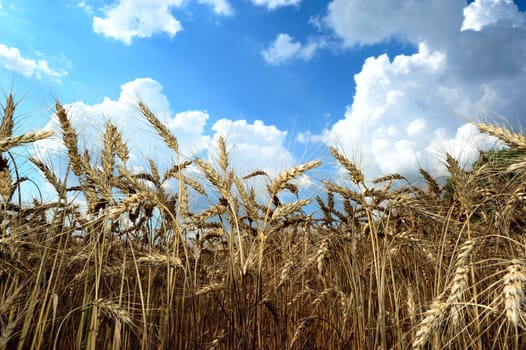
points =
(391, 83)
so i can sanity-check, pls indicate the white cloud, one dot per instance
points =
(273, 4)
(464, 147)
(360, 22)
(12, 59)
(89, 121)
(405, 108)
(415, 127)
(138, 18)
(398, 108)
(284, 49)
(221, 7)
(481, 13)
(255, 146)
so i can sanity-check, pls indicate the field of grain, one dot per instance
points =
(366, 264)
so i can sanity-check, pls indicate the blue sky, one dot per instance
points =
(390, 82)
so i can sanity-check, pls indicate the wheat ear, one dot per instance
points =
(280, 182)
(514, 140)
(355, 174)
(113, 310)
(51, 177)
(160, 259)
(6, 128)
(289, 208)
(513, 293)
(70, 138)
(166, 135)
(430, 322)
(460, 281)
(7, 143)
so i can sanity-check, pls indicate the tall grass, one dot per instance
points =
(389, 266)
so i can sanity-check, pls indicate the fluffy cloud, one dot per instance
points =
(12, 59)
(142, 19)
(482, 13)
(273, 4)
(394, 114)
(284, 49)
(255, 146)
(408, 110)
(137, 18)
(369, 22)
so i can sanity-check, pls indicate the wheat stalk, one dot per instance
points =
(514, 140)
(285, 272)
(213, 287)
(345, 192)
(113, 310)
(430, 321)
(155, 177)
(215, 210)
(460, 281)
(6, 182)
(254, 174)
(211, 175)
(8, 143)
(355, 174)
(289, 208)
(194, 184)
(70, 138)
(388, 178)
(299, 330)
(7, 332)
(513, 293)
(280, 182)
(120, 147)
(126, 204)
(319, 257)
(50, 176)
(173, 172)
(432, 185)
(248, 199)
(109, 151)
(161, 259)
(411, 306)
(6, 128)
(166, 135)
(223, 155)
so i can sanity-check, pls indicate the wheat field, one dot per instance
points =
(367, 264)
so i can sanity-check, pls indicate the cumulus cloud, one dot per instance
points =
(284, 49)
(137, 18)
(255, 146)
(463, 146)
(144, 143)
(12, 59)
(369, 22)
(481, 13)
(142, 19)
(410, 109)
(273, 4)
